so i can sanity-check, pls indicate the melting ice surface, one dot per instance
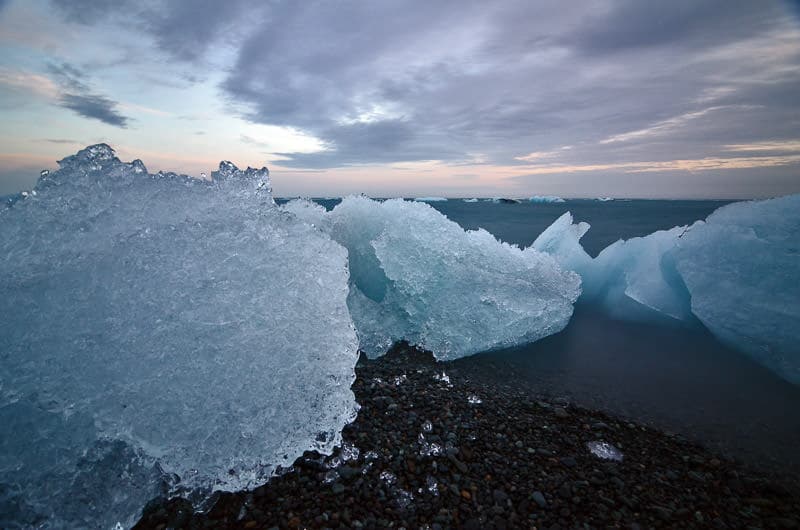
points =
(161, 335)
(417, 276)
(738, 272)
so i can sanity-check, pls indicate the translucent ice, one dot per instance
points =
(417, 276)
(633, 279)
(161, 335)
(738, 273)
(742, 268)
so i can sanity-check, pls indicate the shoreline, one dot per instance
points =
(428, 451)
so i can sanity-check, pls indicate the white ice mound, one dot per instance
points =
(545, 199)
(417, 276)
(161, 335)
(742, 268)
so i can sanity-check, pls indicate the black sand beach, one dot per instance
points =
(431, 456)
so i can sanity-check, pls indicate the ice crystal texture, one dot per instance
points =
(417, 276)
(742, 268)
(161, 335)
(604, 450)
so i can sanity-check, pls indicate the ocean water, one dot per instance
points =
(672, 377)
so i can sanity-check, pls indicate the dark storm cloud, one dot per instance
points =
(383, 82)
(633, 24)
(78, 97)
(184, 29)
(511, 79)
(95, 107)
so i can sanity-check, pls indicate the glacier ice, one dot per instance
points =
(417, 276)
(161, 335)
(737, 272)
(742, 268)
(634, 279)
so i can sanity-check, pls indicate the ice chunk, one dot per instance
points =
(634, 279)
(738, 273)
(161, 335)
(562, 241)
(417, 276)
(545, 199)
(470, 200)
(604, 450)
(742, 268)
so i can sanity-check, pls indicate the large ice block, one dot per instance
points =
(161, 335)
(418, 276)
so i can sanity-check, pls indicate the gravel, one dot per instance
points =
(430, 456)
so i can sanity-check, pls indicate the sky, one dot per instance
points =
(622, 98)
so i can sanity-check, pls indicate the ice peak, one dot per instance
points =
(92, 158)
(228, 170)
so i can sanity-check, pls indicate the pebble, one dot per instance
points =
(499, 464)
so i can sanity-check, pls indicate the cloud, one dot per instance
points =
(95, 107)
(78, 97)
(380, 82)
(632, 25)
(184, 29)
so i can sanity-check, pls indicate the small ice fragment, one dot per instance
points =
(399, 379)
(388, 477)
(428, 449)
(604, 450)
(330, 476)
(472, 399)
(427, 426)
(443, 377)
(43, 174)
(403, 498)
(371, 455)
(349, 452)
(433, 487)
(334, 462)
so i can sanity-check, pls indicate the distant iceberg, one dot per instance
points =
(430, 199)
(471, 200)
(505, 200)
(545, 199)
(604, 199)
(738, 273)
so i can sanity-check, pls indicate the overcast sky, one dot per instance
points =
(626, 98)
